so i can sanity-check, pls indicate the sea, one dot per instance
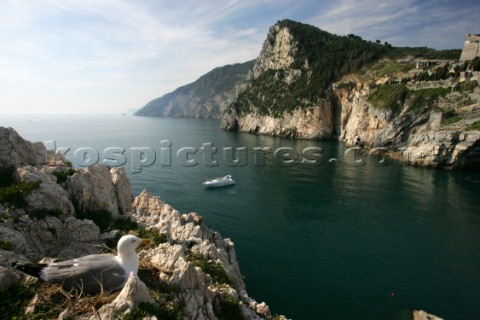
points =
(321, 231)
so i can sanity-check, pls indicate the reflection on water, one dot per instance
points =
(327, 241)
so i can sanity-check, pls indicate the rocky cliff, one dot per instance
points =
(287, 93)
(441, 135)
(207, 97)
(309, 84)
(48, 209)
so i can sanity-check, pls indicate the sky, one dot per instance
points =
(109, 56)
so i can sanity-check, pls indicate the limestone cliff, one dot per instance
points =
(207, 97)
(417, 104)
(287, 93)
(45, 211)
(446, 136)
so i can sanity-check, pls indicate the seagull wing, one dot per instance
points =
(89, 274)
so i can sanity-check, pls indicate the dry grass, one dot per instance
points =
(53, 300)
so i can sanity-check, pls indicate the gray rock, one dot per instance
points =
(16, 151)
(49, 196)
(97, 189)
(422, 315)
(52, 237)
(197, 292)
(7, 278)
(19, 244)
(123, 191)
(133, 293)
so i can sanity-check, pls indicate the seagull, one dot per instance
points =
(94, 273)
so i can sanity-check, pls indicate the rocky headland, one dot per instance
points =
(418, 105)
(207, 97)
(48, 210)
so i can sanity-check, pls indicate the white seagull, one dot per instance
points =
(93, 273)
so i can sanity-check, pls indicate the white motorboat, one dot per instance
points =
(219, 182)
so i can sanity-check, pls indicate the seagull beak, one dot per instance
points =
(145, 241)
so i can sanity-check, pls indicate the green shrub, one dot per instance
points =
(6, 245)
(474, 126)
(123, 225)
(422, 100)
(101, 218)
(140, 312)
(454, 119)
(230, 308)
(154, 235)
(63, 175)
(389, 96)
(475, 64)
(14, 300)
(163, 295)
(215, 270)
(15, 194)
(104, 220)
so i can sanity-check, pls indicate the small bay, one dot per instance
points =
(336, 240)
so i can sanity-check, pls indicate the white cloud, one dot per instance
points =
(125, 45)
(118, 54)
(439, 24)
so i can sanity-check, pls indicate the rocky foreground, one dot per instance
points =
(49, 211)
(47, 208)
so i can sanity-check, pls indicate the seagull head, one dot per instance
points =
(127, 244)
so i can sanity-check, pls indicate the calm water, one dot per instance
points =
(314, 242)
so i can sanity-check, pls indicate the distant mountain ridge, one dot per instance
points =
(206, 97)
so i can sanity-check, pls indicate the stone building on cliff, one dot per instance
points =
(471, 49)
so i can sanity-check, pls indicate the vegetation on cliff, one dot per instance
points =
(395, 96)
(204, 98)
(320, 58)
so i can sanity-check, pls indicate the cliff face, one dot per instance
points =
(287, 93)
(309, 84)
(421, 138)
(207, 97)
(315, 122)
(45, 207)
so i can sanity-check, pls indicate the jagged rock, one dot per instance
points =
(98, 189)
(277, 53)
(133, 293)
(422, 315)
(122, 191)
(308, 123)
(444, 149)
(15, 238)
(16, 151)
(8, 258)
(197, 292)
(47, 228)
(8, 274)
(49, 196)
(52, 237)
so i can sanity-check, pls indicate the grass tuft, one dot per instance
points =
(6, 245)
(215, 270)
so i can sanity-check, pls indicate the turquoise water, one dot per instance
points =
(331, 241)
